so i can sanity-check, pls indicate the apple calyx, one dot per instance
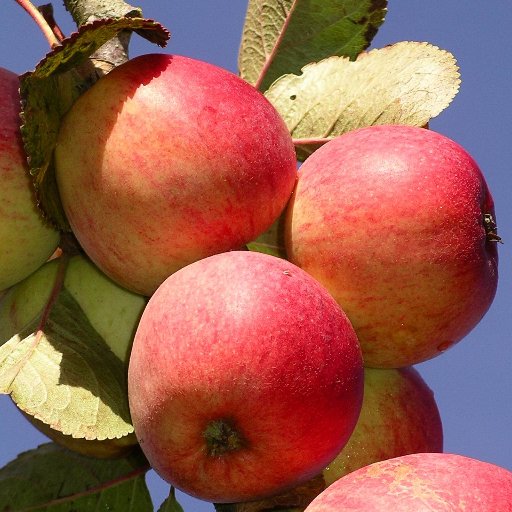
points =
(222, 437)
(491, 229)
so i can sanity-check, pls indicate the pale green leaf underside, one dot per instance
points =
(67, 377)
(281, 36)
(406, 83)
(53, 479)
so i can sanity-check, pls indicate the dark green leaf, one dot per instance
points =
(53, 479)
(281, 36)
(171, 503)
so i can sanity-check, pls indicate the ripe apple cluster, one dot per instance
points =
(250, 374)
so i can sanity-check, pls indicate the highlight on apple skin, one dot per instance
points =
(27, 241)
(398, 224)
(167, 160)
(433, 482)
(245, 378)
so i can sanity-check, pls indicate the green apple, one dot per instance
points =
(111, 310)
(26, 240)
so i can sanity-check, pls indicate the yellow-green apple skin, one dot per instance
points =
(397, 223)
(399, 416)
(26, 240)
(433, 482)
(167, 160)
(112, 311)
(245, 377)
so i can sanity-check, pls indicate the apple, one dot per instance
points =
(26, 239)
(245, 377)
(434, 482)
(399, 416)
(397, 222)
(167, 160)
(112, 311)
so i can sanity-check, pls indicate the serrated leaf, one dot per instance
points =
(281, 36)
(171, 503)
(66, 376)
(272, 241)
(53, 479)
(405, 83)
(51, 89)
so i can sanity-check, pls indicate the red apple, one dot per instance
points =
(245, 377)
(397, 223)
(26, 240)
(433, 482)
(399, 416)
(167, 160)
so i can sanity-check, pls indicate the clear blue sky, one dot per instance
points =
(472, 381)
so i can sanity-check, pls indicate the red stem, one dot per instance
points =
(40, 20)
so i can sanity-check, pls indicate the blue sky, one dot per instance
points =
(472, 382)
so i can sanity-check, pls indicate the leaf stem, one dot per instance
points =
(279, 40)
(313, 140)
(36, 15)
(57, 287)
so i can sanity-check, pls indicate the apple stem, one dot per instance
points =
(491, 229)
(36, 15)
(222, 437)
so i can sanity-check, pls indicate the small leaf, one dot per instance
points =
(66, 376)
(171, 503)
(51, 89)
(53, 479)
(272, 241)
(281, 36)
(406, 83)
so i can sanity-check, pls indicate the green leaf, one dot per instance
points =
(64, 375)
(272, 241)
(51, 89)
(54, 479)
(171, 503)
(281, 36)
(406, 83)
